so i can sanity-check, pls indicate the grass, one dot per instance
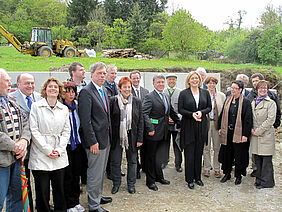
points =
(12, 60)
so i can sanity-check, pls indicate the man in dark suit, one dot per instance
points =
(139, 92)
(25, 96)
(156, 110)
(95, 122)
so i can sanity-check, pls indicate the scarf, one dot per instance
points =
(260, 98)
(73, 140)
(237, 137)
(125, 106)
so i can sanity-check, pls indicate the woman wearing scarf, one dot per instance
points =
(217, 99)
(127, 133)
(263, 136)
(235, 124)
(74, 150)
(194, 103)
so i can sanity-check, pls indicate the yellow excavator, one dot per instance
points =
(42, 44)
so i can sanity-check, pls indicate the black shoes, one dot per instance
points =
(122, 173)
(115, 189)
(199, 182)
(99, 210)
(131, 190)
(225, 178)
(191, 185)
(153, 187)
(238, 180)
(163, 181)
(178, 169)
(105, 200)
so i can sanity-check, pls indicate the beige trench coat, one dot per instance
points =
(50, 130)
(264, 115)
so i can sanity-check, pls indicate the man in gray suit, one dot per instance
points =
(25, 96)
(173, 92)
(139, 92)
(94, 114)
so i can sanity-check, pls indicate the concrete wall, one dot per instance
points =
(146, 79)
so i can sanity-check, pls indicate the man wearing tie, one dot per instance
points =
(139, 92)
(95, 122)
(25, 96)
(156, 110)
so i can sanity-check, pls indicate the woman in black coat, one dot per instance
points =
(235, 124)
(194, 104)
(127, 132)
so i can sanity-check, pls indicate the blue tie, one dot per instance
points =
(29, 102)
(103, 98)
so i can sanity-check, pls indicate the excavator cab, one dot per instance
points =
(42, 35)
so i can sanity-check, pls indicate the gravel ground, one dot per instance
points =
(214, 196)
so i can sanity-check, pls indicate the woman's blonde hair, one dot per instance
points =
(187, 85)
(57, 81)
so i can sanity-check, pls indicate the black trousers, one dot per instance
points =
(27, 172)
(264, 172)
(238, 152)
(116, 157)
(193, 161)
(72, 175)
(176, 150)
(153, 163)
(42, 188)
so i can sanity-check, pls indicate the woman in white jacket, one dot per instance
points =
(50, 129)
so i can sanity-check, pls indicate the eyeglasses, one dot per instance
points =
(234, 88)
(262, 88)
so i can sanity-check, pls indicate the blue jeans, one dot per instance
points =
(10, 188)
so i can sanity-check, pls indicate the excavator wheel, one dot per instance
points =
(45, 51)
(69, 52)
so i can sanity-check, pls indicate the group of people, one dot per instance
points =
(73, 132)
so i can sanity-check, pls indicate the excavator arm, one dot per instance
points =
(11, 38)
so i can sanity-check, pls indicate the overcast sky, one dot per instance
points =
(213, 13)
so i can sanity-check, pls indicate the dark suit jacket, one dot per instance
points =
(95, 121)
(143, 92)
(189, 126)
(154, 108)
(137, 125)
(110, 92)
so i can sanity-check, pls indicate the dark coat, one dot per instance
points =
(143, 92)
(137, 125)
(154, 108)
(110, 91)
(253, 94)
(246, 117)
(186, 107)
(95, 121)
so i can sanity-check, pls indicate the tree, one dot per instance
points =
(78, 11)
(241, 13)
(183, 34)
(269, 45)
(156, 28)
(99, 14)
(96, 33)
(137, 32)
(270, 16)
(117, 35)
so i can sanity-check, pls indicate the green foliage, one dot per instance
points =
(153, 47)
(270, 16)
(61, 32)
(78, 11)
(183, 34)
(269, 45)
(116, 36)
(96, 32)
(137, 31)
(156, 28)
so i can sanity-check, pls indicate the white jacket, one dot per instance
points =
(50, 129)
